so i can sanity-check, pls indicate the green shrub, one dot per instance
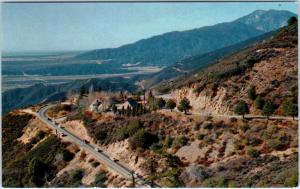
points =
(95, 164)
(253, 153)
(276, 144)
(292, 179)
(200, 136)
(259, 102)
(67, 155)
(76, 175)
(100, 179)
(101, 135)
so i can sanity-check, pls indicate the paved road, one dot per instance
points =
(102, 157)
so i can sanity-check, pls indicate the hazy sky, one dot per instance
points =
(84, 26)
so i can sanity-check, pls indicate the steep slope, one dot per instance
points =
(165, 49)
(270, 67)
(193, 64)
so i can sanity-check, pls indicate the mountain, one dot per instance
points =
(166, 49)
(270, 67)
(194, 63)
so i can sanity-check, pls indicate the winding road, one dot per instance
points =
(102, 157)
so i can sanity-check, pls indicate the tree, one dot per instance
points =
(290, 109)
(114, 108)
(170, 104)
(268, 109)
(143, 139)
(160, 103)
(81, 92)
(292, 20)
(259, 102)
(241, 108)
(252, 92)
(184, 105)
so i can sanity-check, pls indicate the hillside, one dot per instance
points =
(193, 64)
(166, 49)
(270, 67)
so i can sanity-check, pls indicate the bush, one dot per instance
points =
(100, 179)
(252, 92)
(276, 144)
(101, 135)
(40, 135)
(142, 139)
(67, 155)
(259, 102)
(292, 180)
(76, 175)
(200, 136)
(95, 164)
(244, 127)
(168, 141)
(129, 130)
(184, 105)
(170, 104)
(268, 109)
(253, 153)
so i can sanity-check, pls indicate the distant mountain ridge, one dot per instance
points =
(166, 49)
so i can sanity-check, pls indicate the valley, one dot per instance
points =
(215, 106)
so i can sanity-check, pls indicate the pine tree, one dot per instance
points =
(252, 92)
(242, 108)
(268, 109)
(184, 105)
(259, 102)
(170, 104)
(290, 109)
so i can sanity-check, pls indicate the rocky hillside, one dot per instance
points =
(268, 69)
(34, 156)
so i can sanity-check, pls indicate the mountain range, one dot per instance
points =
(166, 49)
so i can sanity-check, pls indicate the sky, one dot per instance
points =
(86, 26)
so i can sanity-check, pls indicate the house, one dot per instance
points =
(128, 103)
(94, 107)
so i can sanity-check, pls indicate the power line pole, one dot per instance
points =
(133, 179)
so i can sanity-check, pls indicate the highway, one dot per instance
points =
(102, 157)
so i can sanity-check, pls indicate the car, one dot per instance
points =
(63, 135)
(86, 141)
(114, 159)
(49, 119)
(98, 149)
(59, 126)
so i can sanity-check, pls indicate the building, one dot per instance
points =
(128, 103)
(94, 107)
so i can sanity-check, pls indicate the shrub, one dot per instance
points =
(290, 109)
(101, 135)
(95, 164)
(76, 175)
(40, 135)
(252, 92)
(142, 139)
(168, 141)
(253, 153)
(100, 179)
(292, 180)
(276, 144)
(259, 102)
(244, 127)
(67, 155)
(200, 136)
(292, 20)
(207, 125)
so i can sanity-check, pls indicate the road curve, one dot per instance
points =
(102, 157)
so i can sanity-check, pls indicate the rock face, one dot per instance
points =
(203, 103)
(193, 175)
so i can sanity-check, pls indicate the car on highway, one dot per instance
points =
(114, 159)
(98, 149)
(49, 118)
(63, 135)
(59, 126)
(86, 141)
